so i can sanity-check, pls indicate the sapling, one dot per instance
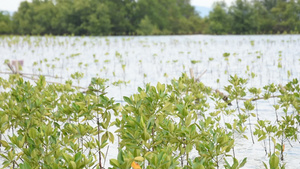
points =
(272, 89)
(226, 57)
(256, 92)
(236, 90)
(249, 107)
(123, 68)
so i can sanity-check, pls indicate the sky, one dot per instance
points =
(12, 5)
(207, 3)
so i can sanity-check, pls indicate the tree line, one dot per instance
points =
(255, 17)
(150, 17)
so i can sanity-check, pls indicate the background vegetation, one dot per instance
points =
(149, 17)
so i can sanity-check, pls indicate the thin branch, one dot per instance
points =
(27, 75)
(198, 78)
(22, 74)
(17, 72)
(224, 96)
(7, 73)
(11, 68)
(259, 98)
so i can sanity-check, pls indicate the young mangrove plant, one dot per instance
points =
(53, 124)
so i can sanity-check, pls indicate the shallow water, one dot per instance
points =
(152, 59)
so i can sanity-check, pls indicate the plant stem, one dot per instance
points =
(257, 118)
(217, 161)
(224, 122)
(233, 146)
(153, 137)
(281, 152)
(238, 107)
(99, 149)
(269, 144)
(251, 129)
(106, 155)
(181, 159)
(187, 155)
(265, 147)
(98, 128)
(275, 109)
(289, 142)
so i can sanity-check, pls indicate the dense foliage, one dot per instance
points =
(148, 17)
(256, 16)
(105, 17)
(57, 126)
(5, 23)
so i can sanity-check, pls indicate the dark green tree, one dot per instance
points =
(42, 18)
(287, 16)
(269, 4)
(147, 17)
(62, 18)
(242, 13)
(155, 11)
(146, 27)
(34, 18)
(121, 15)
(265, 21)
(99, 20)
(5, 23)
(219, 20)
(170, 16)
(23, 18)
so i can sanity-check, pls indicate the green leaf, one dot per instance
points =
(11, 155)
(274, 161)
(4, 119)
(120, 156)
(145, 135)
(243, 162)
(111, 137)
(66, 157)
(168, 107)
(201, 167)
(274, 140)
(235, 163)
(127, 99)
(160, 87)
(72, 165)
(262, 138)
(142, 123)
(25, 166)
(114, 163)
(21, 142)
(4, 143)
(139, 158)
(188, 120)
(228, 125)
(78, 156)
(104, 137)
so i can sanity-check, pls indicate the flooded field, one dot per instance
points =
(132, 62)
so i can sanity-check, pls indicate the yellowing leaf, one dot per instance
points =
(135, 165)
(139, 158)
(114, 163)
(4, 143)
(168, 107)
(73, 164)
